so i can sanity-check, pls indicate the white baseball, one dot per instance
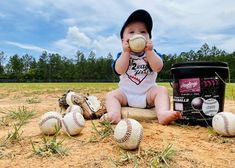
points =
(73, 123)
(49, 121)
(224, 123)
(128, 134)
(137, 43)
(210, 107)
(69, 98)
(74, 108)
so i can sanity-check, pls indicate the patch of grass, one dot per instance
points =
(86, 87)
(13, 136)
(125, 159)
(149, 158)
(103, 130)
(22, 114)
(94, 139)
(211, 130)
(51, 146)
(58, 87)
(213, 136)
(230, 91)
(162, 158)
(33, 100)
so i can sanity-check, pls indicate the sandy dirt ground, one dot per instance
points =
(192, 146)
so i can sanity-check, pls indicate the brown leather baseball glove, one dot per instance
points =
(92, 106)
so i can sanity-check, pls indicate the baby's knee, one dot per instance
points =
(110, 95)
(163, 90)
(116, 94)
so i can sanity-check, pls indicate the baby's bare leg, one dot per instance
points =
(114, 101)
(158, 96)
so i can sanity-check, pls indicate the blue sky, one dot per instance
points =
(65, 26)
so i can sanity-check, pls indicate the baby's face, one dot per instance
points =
(135, 28)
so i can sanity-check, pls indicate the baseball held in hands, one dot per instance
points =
(137, 43)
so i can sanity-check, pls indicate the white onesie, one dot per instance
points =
(137, 80)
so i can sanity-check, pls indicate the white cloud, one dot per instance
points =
(108, 42)
(73, 41)
(42, 13)
(77, 40)
(210, 37)
(179, 25)
(70, 21)
(27, 46)
(65, 48)
(104, 45)
(227, 45)
(202, 15)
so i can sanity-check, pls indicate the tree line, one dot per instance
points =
(52, 67)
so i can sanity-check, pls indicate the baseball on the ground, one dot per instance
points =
(224, 123)
(49, 122)
(74, 108)
(73, 123)
(70, 98)
(137, 43)
(128, 134)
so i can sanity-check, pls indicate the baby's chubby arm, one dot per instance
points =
(153, 59)
(122, 62)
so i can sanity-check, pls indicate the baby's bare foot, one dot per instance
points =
(166, 117)
(108, 118)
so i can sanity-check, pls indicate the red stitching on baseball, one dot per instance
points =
(48, 118)
(66, 127)
(226, 124)
(128, 132)
(76, 121)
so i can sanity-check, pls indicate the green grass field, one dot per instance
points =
(40, 88)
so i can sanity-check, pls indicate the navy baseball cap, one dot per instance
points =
(139, 15)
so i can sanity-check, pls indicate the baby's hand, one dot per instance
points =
(149, 45)
(126, 46)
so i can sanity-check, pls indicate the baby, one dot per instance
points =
(138, 72)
